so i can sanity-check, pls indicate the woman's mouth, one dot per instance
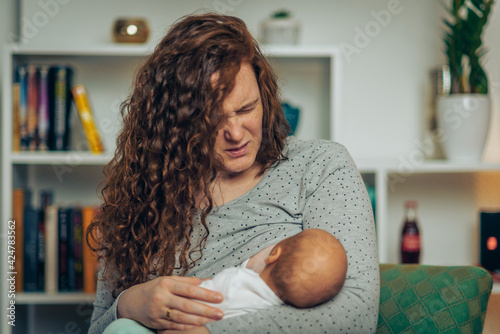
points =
(238, 151)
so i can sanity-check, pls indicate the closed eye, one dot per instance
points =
(249, 107)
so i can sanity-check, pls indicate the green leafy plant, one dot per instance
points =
(281, 14)
(463, 44)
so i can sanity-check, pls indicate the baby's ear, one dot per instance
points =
(274, 255)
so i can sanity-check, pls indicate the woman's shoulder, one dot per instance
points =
(314, 148)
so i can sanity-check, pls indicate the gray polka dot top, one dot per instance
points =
(318, 186)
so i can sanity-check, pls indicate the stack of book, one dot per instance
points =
(52, 254)
(42, 106)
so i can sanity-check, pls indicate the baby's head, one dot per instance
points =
(306, 269)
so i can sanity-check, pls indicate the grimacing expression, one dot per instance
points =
(239, 139)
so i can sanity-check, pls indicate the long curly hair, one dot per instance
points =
(164, 155)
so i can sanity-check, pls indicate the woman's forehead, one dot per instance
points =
(245, 90)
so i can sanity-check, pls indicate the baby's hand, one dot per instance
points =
(256, 262)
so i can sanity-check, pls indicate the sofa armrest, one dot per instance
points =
(433, 299)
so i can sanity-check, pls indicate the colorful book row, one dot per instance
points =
(52, 254)
(42, 106)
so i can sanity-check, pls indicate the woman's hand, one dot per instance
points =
(148, 303)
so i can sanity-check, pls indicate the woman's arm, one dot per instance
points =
(336, 201)
(149, 302)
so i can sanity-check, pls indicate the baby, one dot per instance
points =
(304, 270)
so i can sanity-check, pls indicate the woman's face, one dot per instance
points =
(239, 139)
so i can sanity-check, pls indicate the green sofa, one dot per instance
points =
(433, 299)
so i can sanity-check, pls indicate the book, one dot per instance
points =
(63, 233)
(76, 221)
(51, 249)
(32, 114)
(60, 104)
(40, 272)
(71, 250)
(81, 99)
(18, 215)
(22, 79)
(89, 257)
(16, 130)
(31, 221)
(43, 109)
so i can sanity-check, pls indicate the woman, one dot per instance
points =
(204, 177)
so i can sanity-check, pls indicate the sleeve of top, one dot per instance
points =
(105, 307)
(336, 201)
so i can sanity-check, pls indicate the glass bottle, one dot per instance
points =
(410, 236)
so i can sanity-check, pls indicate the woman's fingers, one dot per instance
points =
(190, 279)
(184, 310)
(178, 316)
(184, 288)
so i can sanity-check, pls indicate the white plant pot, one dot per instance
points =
(281, 31)
(463, 121)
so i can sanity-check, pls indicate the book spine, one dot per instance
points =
(18, 213)
(32, 116)
(43, 109)
(30, 249)
(22, 77)
(63, 249)
(89, 258)
(77, 246)
(61, 105)
(40, 273)
(16, 130)
(71, 251)
(80, 97)
(51, 249)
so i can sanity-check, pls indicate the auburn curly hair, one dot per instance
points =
(164, 155)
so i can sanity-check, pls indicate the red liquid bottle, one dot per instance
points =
(410, 237)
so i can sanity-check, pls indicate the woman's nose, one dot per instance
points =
(233, 130)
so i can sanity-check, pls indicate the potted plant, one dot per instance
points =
(463, 115)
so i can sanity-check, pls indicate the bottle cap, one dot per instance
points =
(411, 204)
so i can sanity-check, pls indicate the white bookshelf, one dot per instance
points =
(310, 78)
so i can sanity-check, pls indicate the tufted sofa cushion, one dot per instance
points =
(433, 299)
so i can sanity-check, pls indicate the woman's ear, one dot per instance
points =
(274, 255)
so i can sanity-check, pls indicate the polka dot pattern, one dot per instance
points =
(318, 186)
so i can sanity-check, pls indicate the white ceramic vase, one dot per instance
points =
(281, 31)
(463, 121)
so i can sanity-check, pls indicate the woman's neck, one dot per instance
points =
(228, 187)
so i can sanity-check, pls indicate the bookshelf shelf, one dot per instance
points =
(60, 158)
(113, 49)
(425, 167)
(105, 49)
(59, 298)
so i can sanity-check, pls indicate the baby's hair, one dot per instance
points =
(297, 273)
